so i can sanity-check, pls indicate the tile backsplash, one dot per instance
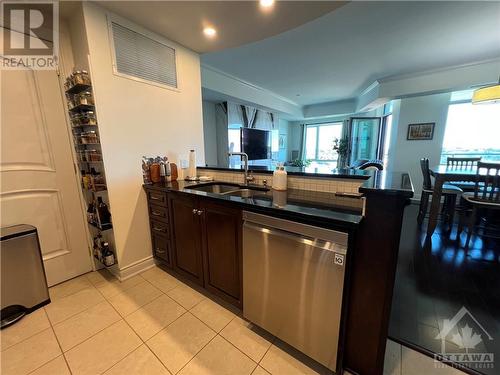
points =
(331, 185)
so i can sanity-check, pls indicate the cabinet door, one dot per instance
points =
(222, 241)
(185, 232)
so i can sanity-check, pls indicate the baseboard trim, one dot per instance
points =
(136, 268)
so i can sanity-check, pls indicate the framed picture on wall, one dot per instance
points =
(282, 141)
(420, 132)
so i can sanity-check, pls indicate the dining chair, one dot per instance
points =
(486, 195)
(463, 163)
(449, 192)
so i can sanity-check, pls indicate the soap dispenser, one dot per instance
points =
(280, 178)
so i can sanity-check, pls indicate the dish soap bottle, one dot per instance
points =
(279, 178)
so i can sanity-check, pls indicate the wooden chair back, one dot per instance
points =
(487, 188)
(462, 163)
(426, 174)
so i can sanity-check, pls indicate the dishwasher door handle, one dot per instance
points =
(317, 243)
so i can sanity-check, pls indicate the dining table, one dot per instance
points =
(443, 174)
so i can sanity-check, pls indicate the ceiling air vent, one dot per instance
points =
(139, 57)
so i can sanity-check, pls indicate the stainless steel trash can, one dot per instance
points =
(24, 286)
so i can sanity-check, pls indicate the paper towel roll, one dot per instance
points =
(192, 165)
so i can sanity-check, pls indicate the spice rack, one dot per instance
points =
(86, 140)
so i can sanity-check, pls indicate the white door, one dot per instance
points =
(38, 183)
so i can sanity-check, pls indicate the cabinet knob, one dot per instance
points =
(199, 212)
(195, 211)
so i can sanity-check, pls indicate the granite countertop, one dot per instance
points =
(314, 207)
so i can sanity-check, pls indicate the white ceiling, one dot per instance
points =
(339, 54)
(236, 22)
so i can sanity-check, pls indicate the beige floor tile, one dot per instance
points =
(161, 279)
(113, 287)
(30, 354)
(251, 340)
(221, 358)
(154, 316)
(28, 326)
(260, 371)
(185, 296)
(277, 361)
(101, 276)
(414, 363)
(392, 360)
(130, 300)
(140, 362)
(177, 344)
(68, 306)
(69, 287)
(57, 366)
(103, 350)
(81, 326)
(212, 314)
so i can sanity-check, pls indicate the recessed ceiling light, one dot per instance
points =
(209, 31)
(266, 3)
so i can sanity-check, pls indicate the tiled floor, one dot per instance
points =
(153, 324)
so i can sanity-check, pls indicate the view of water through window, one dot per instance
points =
(472, 130)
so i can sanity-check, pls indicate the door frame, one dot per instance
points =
(349, 134)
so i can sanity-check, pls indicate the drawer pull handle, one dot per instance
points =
(156, 213)
(156, 198)
(159, 251)
(160, 229)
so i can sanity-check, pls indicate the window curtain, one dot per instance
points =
(302, 147)
(221, 123)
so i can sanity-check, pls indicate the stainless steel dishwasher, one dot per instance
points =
(293, 281)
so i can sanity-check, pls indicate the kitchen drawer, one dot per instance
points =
(158, 227)
(161, 247)
(157, 197)
(158, 213)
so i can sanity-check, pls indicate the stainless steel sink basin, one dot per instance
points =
(229, 189)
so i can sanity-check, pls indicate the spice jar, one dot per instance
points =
(154, 170)
(88, 118)
(86, 98)
(85, 77)
(89, 137)
(77, 78)
(93, 155)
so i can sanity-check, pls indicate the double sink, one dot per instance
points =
(243, 191)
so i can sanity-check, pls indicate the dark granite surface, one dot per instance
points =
(291, 204)
(393, 183)
(299, 171)
(308, 205)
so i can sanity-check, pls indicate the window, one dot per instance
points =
(472, 130)
(320, 139)
(141, 58)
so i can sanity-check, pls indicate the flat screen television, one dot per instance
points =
(256, 143)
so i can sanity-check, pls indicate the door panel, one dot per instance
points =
(364, 136)
(222, 250)
(186, 237)
(39, 186)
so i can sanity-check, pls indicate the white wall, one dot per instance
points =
(137, 119)
(405, 155)
(283, 131)
(210, 133)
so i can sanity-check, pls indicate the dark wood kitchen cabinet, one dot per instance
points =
(206, 241)
(222, 250)
(185, 223)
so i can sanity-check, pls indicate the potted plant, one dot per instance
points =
(341, 146)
